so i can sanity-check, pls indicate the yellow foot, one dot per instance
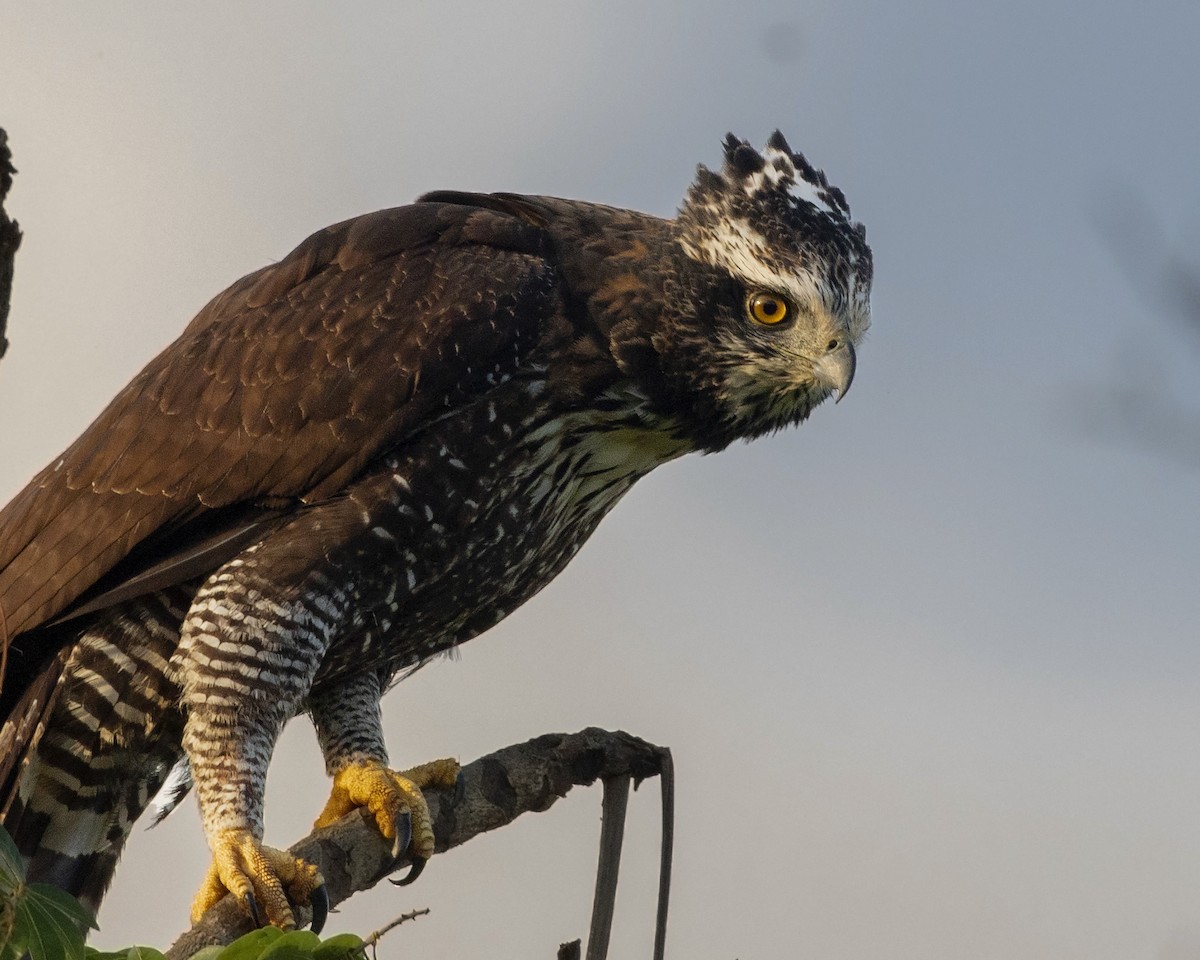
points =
(263, 879)
(388, 795)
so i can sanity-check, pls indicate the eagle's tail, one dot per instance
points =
(88, 746)
(73, 849)
(76, 800)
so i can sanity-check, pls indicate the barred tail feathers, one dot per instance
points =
(90, 743)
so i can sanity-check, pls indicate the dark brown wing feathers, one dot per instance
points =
(284, 386)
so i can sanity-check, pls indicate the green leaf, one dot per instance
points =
(48, 924)
(251, 945)
(12, 867)
(208, 953)
(343, 946)
(60, 904)
(305, 939)
(293, 945)
(144, 953)
(133, 953)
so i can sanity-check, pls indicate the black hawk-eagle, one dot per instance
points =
(365, 454)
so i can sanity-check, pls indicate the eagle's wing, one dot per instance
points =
(280, 390)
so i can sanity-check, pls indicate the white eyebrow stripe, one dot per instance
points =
(741, 250)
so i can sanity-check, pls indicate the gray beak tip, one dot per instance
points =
(838, 369)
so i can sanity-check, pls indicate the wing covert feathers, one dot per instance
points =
(284, 386)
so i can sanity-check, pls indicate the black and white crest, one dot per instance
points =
(775, 220)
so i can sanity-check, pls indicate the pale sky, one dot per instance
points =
(928, 664)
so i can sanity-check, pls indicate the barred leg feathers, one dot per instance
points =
(245, 662)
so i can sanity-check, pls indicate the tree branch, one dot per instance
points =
(492, 792)
(10, 239)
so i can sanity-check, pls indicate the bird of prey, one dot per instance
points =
(363, 455)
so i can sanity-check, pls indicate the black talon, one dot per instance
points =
(403, 836)
(418, 864)
(319, 901)
(251, 905)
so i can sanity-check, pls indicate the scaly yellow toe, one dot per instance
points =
(388, 795)
(262, 878)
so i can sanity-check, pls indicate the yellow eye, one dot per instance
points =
(767, 309)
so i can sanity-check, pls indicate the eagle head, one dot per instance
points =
(769, 297)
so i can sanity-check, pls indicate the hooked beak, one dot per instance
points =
(836, 369)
